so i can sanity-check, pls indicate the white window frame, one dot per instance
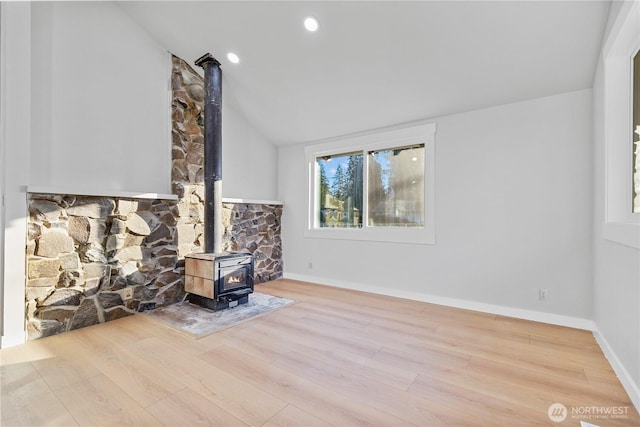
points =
(380, 140)
(621, 224)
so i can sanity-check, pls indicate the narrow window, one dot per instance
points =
(621, 120)
(636, 134)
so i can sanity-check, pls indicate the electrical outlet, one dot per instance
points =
(542, 294)
(127, 293)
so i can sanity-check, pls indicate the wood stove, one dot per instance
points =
(215, 279)
(219, 281)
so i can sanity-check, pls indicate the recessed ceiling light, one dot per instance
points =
(311, 23)
(232, 57)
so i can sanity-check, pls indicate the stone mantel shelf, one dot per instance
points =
(251, 201)
(99, 192)
(135, 195)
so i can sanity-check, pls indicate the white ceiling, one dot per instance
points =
(374, 64)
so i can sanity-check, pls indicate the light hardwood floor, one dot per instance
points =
(334, 358)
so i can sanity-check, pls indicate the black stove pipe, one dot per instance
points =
(213, 228)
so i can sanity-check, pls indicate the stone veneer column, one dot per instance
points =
(248, 227)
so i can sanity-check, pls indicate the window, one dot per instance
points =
(396, 187)
(621, 108)
(636, 134)
(341, 189)
(373, 187)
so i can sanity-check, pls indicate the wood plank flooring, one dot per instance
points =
(334, 358)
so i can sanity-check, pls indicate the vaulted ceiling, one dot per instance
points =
(373, 64)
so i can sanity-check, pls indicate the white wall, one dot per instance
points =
(101, 108)
(15, 106)
(616, 267)
(513, 215)
(100, 115)
(249, 161)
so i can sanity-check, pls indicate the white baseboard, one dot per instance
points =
(626, 380)
(12, 340)
(536, 316)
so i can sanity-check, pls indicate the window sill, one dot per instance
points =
(625, 233)
(387, 235)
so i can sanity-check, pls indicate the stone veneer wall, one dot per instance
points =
(86, 254)
(94, 259)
